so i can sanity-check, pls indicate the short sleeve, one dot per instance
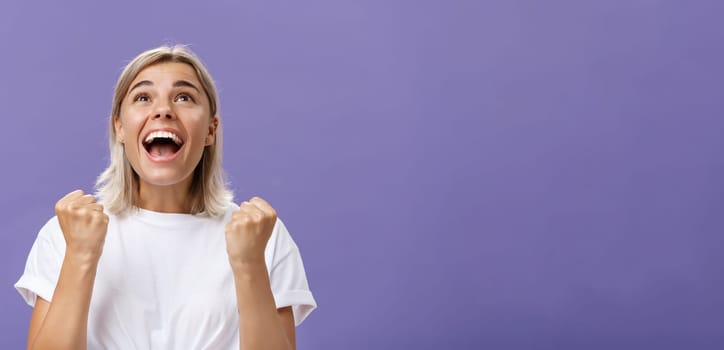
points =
(287, 276)
(43, 265)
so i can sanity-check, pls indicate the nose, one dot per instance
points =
(163, 111)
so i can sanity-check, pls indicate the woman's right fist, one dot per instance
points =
(84, 225)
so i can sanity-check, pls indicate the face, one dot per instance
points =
(165, 123)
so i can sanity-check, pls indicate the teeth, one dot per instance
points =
(162, 135)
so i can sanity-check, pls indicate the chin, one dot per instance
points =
(163, 178)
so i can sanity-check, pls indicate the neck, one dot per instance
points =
(165, 199)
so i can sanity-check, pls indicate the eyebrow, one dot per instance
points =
(178, 83)
(139, 84)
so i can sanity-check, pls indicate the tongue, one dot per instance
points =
(162, 150)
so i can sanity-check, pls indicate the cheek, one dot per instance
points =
(130, 124)
(200, 128)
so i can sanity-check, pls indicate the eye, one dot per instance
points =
(142, 97)
(184, 98)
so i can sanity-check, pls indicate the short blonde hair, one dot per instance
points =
(117, 185)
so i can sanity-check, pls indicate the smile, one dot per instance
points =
(162, 145)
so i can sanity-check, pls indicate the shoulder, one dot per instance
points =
(50, 236)
(231, 207)
(51, 228)
(281, 240)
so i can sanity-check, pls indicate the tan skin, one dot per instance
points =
(157, 100)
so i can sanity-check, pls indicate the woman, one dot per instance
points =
(163, 259)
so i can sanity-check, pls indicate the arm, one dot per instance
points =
(62, 323)
(261, 326)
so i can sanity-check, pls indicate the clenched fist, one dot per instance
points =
(248, 231)
(84, 225)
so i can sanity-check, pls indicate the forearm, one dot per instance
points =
(65, 324)
(260, 326)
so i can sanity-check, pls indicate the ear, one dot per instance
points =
(211, 136)
(119, 129)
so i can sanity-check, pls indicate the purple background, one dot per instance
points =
(458, 174)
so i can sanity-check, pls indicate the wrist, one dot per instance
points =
(248, 267)
(82, 259)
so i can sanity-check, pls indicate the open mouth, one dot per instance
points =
(162, 145)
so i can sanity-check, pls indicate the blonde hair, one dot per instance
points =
(117, 185)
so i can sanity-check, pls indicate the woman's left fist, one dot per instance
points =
(249, 230)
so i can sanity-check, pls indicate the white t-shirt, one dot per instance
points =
(164, 281)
